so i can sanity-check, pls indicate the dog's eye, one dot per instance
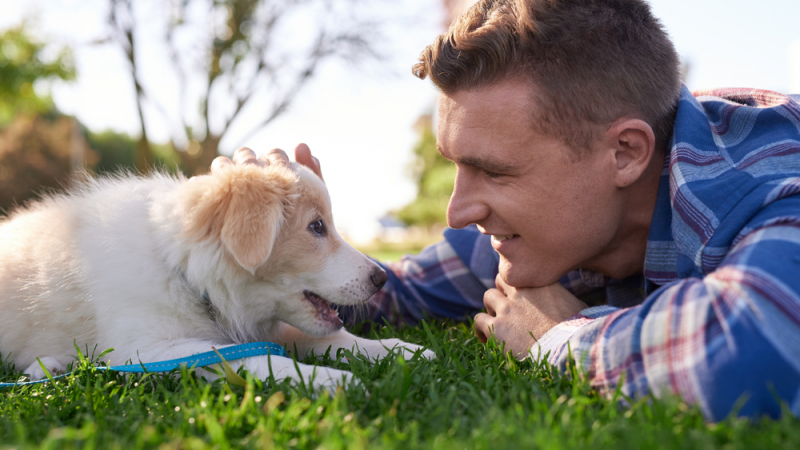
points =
(317, 227)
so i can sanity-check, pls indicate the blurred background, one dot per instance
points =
(110, 85)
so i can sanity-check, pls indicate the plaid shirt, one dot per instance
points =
(715, 317)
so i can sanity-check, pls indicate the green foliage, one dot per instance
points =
(115, 152)
(21, 65)
(435, 177)
(36, 156)
(471, 396)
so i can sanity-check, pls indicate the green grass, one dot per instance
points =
(469, 397)
(392, 251)
(387, 255)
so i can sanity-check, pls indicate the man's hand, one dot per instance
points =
(521, 316)
(302, 154)
(243, 155)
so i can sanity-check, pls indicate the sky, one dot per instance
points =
(359, 120)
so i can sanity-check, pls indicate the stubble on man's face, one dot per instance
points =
(547, 212)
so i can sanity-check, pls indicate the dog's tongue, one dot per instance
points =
(324, 310)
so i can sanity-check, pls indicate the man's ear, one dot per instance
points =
(634, 143)
(243, 207)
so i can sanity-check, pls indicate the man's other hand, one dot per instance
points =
(521, 316)
(244, 155)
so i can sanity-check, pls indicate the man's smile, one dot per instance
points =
(503, 241)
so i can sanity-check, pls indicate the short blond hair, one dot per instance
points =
(590, 62)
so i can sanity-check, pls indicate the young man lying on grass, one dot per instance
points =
(590, 170)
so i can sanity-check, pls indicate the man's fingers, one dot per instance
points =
(278, 156)
(244, 156)
(302, 154)
(219, 163)
(243, 152)
(493, 300)
(501, 284)
(319, 167)
(483, 324)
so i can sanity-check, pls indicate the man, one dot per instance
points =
(595, 172)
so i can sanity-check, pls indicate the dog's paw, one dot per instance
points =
(428, 354)
(332, 379)
(406, 349)
(35, 371)
(316, 377)
(320, 378)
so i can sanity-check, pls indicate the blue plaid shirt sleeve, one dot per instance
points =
(448, 280)
(445, 280)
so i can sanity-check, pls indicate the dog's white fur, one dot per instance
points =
(124, 262)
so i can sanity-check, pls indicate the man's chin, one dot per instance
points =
(521, 275)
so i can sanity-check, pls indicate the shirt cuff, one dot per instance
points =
(561, 333)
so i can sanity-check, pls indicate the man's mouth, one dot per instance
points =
(499, 241)
(324, 310)
(503, 237)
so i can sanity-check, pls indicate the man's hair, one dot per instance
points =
(589, 62)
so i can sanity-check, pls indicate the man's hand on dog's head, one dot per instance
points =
(244, 155)
(302, 154)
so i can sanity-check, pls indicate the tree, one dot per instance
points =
(245, 62)
(39, 148)
(435, 178)
(113, 152)
(22, 65)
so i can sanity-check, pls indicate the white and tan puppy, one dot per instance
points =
(163, 267)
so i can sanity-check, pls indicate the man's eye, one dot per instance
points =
(491, 174)
(317, 227)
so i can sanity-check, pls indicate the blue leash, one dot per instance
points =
(200, 360)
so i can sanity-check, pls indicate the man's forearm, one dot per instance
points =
(445, 280)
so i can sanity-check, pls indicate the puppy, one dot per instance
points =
(164, 267)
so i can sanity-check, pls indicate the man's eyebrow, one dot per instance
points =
(487, 164)
(490, 165)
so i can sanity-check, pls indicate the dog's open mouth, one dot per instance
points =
(324, 310)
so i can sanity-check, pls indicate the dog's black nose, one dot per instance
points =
(378, 277)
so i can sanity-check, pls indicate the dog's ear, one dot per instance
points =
(243, 207)
(252, 222)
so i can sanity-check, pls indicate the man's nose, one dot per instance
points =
(466, 204)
